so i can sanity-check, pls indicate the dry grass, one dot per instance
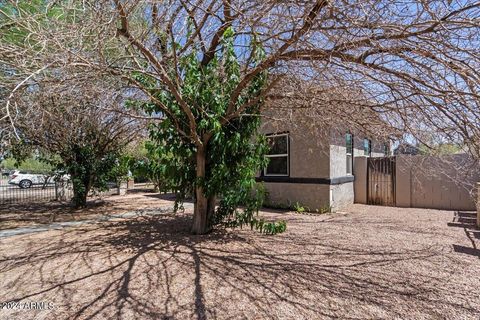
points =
(373, 262)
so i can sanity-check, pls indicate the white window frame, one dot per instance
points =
(280, 155)
(386, 149)
(370, 145)
(347, 160)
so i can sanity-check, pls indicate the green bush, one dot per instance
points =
(299, 208)
(325, 209)
(269, 228)
(31, 165)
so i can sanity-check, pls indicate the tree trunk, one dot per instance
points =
(79, 198)
(204, 207)
(81, 188)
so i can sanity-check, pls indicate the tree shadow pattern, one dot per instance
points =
(152, 268)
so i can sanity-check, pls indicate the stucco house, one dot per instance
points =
(313, 167)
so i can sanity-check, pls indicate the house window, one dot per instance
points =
(277, 155)
(367, 147)
(349, 152)
(386, 149)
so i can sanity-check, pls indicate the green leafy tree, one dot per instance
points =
(225, 163)
(80, 128)
(413, 62)
(145, 163)
(89, 169)
(29, 164)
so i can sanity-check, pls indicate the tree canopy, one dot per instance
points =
(415, 63)
(78, 131)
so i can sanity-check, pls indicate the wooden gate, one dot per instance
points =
(381, 181)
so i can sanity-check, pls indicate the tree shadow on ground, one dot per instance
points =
(22, 214)
(467, 221)
(152, 268)
(17, 215)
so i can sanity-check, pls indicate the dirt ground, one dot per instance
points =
(31, 214)
(372, 262)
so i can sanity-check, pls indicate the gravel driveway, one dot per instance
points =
(372, 262)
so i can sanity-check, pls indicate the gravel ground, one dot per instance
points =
(33, 214)
(372, 262)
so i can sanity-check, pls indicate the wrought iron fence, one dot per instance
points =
(35, 193)
(51, 191)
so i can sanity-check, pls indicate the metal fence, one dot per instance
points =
(53, 191)
(36, 193)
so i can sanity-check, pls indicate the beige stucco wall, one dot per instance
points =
(309, 150)
(341, 195)
(308, 158)
(402, 182)
(427, 182)
(347, 193)
(436, 182)
(318, 153)
(360, 184)
(338, 163)
(314, 196)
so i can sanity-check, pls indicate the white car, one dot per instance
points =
(25, 180)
